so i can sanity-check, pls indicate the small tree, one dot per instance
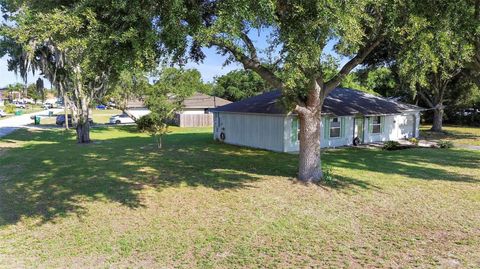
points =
(130, 85)
(154, 124)
(33, 93)
(166, 97)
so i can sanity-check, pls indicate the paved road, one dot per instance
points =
(9, 125)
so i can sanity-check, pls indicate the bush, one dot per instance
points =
(10, 108)
(155, 125)
(145, 123)
(414, 141)
(391, 145)
(445, 144)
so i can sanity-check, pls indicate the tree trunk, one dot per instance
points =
(310, 165)
(83, 124)
(437, 120)
(83, 132)
(158, 140)
(65, 108)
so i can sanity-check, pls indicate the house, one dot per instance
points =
(136, 108)
(201, 103)
(347, 115)
(195, 110)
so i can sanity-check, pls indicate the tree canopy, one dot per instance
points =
(80, 46)
(239, 84)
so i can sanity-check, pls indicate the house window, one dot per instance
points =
(376, 125)
(295, 130)
(335, 127)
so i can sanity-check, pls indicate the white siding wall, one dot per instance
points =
(396, 127)
(275, 132)
(346, 139)
(251, 130)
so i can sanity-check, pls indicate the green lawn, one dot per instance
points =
(197, 203)
(460, 135)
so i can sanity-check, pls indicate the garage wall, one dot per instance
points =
(251, 130)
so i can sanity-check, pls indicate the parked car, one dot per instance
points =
(111, 105)
(60, 120)
(2, 113)
(20, 105)
(122, 118)
(468, 112)
(47, 105)
(102, 107)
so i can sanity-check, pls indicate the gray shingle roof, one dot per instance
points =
(200, 100)
(340, 102)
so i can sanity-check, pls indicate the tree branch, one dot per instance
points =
(350, 65)
(251, 48)
(248, 62)
(426, 99)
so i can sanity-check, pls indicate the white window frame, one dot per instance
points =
(373, 125)
(339, 127)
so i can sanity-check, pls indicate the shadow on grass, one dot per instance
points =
(421, 164)
(54, 176)
(447, 134)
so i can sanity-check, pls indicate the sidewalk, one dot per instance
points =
(9, 125)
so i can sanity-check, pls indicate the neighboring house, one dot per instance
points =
(347, 115)
(201, 103)
(195, 110)
(136, 108)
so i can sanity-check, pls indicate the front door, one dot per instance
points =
(359, 129)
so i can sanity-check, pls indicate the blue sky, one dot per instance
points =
(212, 66)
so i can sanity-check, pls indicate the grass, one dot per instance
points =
(197, 203)
(460, 135)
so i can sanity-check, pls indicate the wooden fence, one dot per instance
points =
(194, 120)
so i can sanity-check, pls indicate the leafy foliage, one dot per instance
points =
(80, 46)
(166, 97)
(391, 145)
(445, 144)
(298, 34)
(414, 141)
(154, 124)
(10, 108)
(130, 85)
(239, 84)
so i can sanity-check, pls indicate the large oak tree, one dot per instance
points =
(299, 32)
(80, 46)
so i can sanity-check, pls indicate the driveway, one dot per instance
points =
(11, 124)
